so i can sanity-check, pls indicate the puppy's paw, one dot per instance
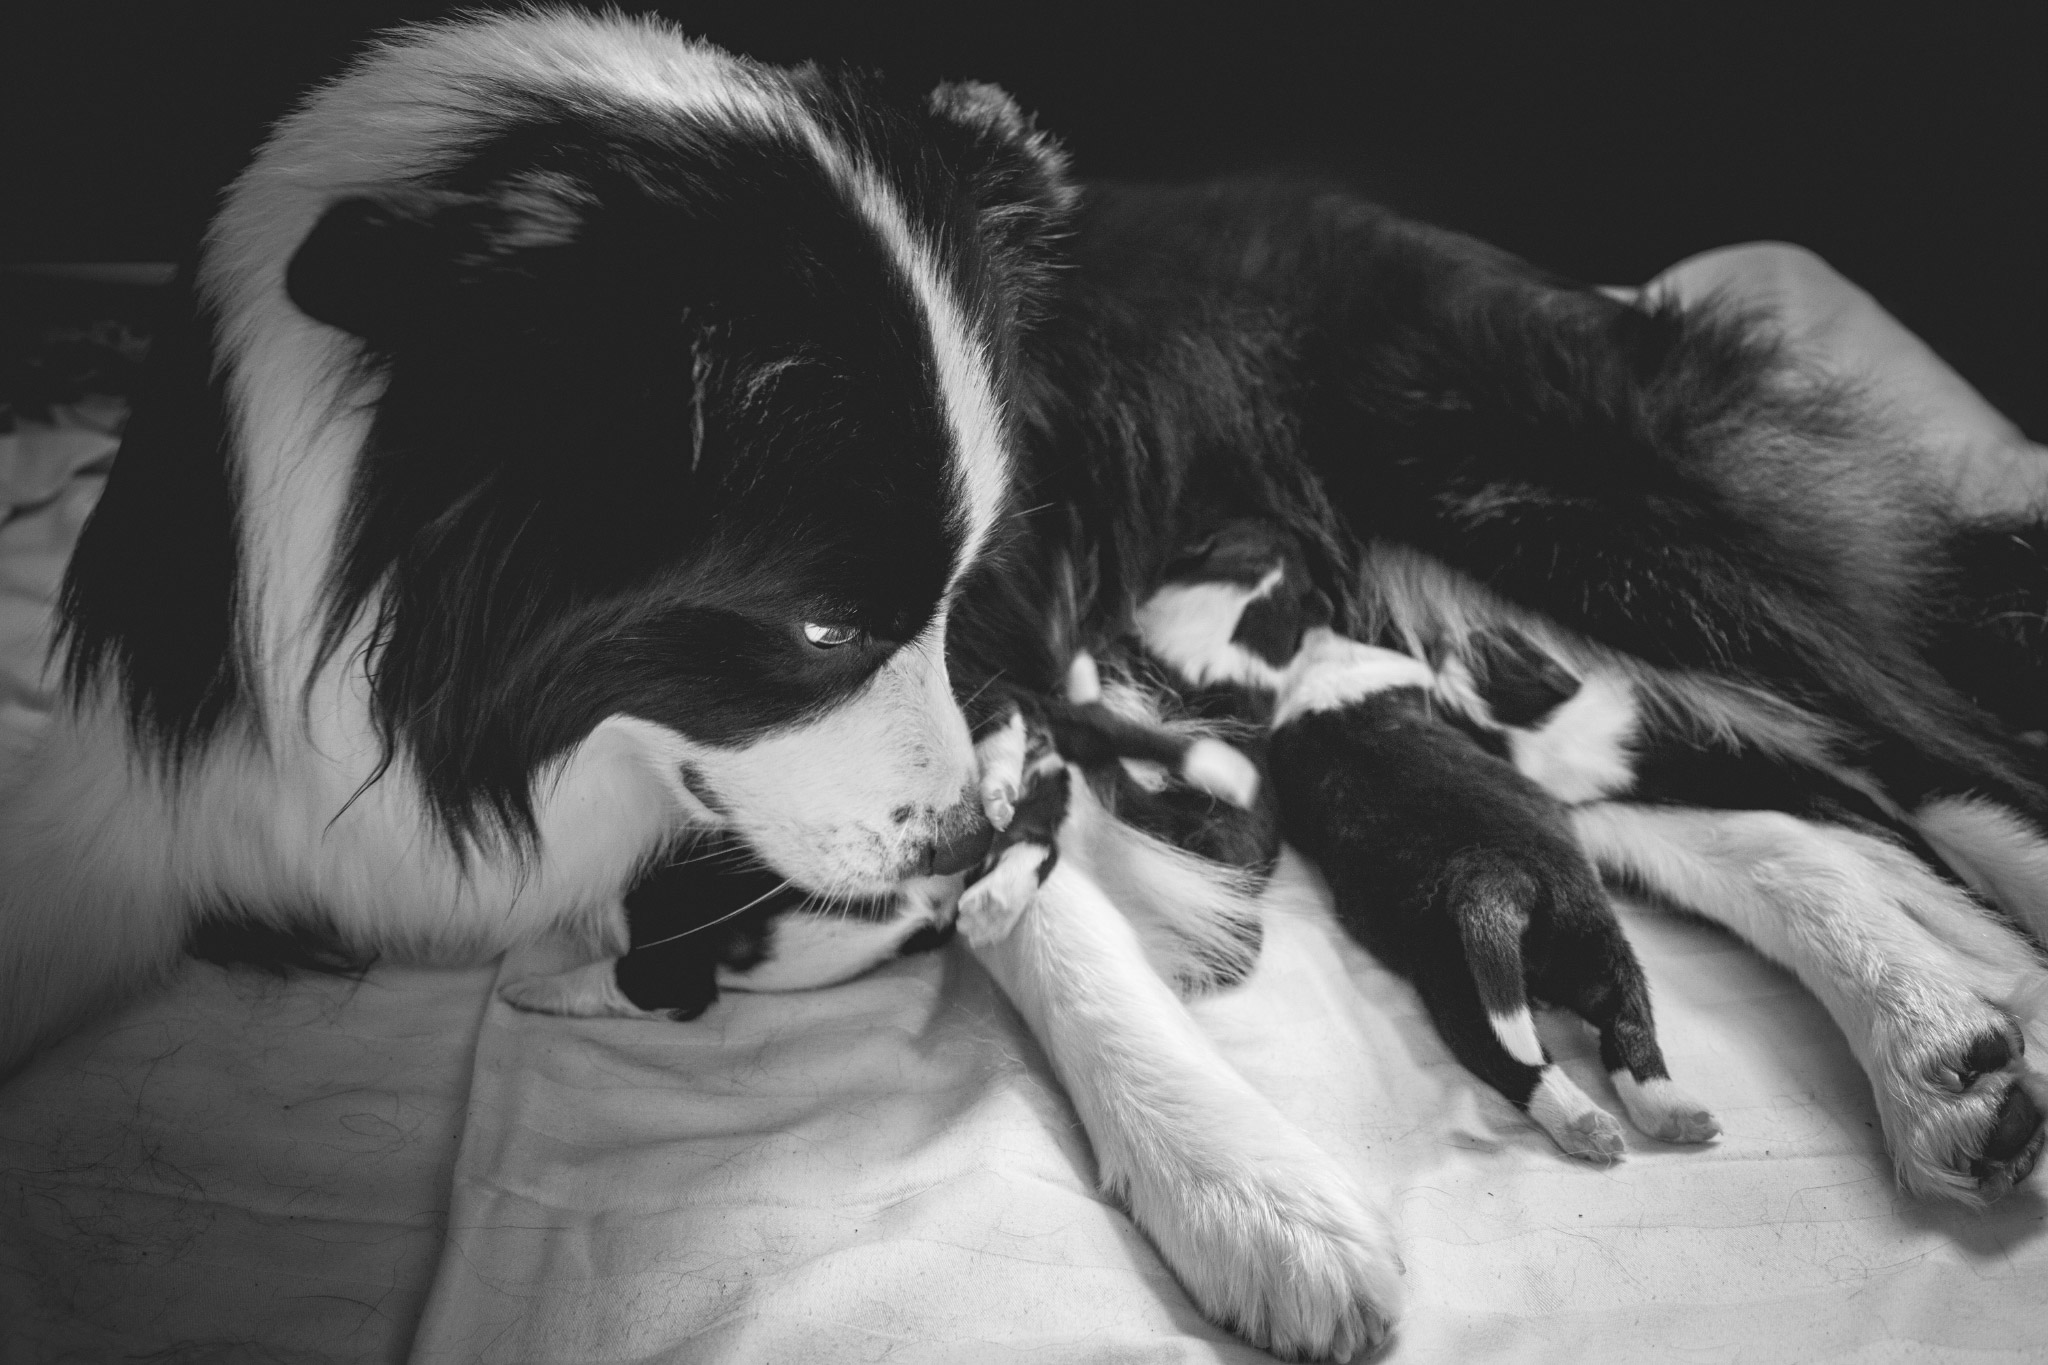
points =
(1960, 1110)
(1000, 758)
(1223, 772)
(587, 992)
(991, 907)
(1284, 1252)
(1579, 1127)
(1660, 1109)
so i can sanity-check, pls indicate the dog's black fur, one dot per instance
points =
(674, 401)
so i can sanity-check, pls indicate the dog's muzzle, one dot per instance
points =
(963, 841)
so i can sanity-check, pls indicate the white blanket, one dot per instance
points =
(241, 1169)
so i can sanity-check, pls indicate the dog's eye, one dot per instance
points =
(829, 636)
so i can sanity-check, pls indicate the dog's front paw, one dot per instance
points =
(1959, 1111)
(1282, 1251)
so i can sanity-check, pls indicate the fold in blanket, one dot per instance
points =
(242, 1169)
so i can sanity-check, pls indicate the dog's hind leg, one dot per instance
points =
(1874, 935)
(1269, 1235)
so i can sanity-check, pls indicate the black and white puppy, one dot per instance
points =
(1443, 858)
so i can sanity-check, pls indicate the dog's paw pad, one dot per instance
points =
(2013, 1145)
(1960, 1116)
(1989, 1052)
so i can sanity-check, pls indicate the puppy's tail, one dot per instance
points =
(88, 910)
(1492, 900)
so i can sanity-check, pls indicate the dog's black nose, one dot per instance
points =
(962, 848)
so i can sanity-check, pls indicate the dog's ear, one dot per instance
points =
(1016, 178)
(1035, 163)
(381, 265)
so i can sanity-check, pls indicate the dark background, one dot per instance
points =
(1606, 141)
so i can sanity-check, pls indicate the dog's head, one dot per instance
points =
(686, 386)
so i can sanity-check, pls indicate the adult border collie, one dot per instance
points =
(583, 437)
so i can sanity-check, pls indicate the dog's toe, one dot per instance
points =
(1989, 1052)
(1284, 1253)
(1959, 1120)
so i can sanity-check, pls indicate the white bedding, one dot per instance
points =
(242, 1169)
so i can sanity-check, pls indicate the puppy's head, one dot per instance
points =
(692, 413)
(1234, 607)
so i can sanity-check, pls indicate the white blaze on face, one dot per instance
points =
(847, 803)
(966, 384)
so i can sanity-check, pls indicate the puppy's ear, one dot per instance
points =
(1518, 679)
(381, 266)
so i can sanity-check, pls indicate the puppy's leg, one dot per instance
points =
(1024, 853)
(1268, 1234)
(1595, 973)
(1933, 1027)
(1479, 1000)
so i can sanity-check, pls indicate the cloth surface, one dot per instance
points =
(314, 1170)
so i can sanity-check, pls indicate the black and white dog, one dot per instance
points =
(584, 439)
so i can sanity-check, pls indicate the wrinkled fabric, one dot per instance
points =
(316, 1170)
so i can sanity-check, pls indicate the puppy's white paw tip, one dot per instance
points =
(1222, 771)
(1596, 1143)
(990, 909)
(1000, 808)
(1659, 1109)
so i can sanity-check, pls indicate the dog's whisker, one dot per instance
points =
(708, 924)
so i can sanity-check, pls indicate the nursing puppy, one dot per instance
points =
(583, 439)
(1443, 858)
